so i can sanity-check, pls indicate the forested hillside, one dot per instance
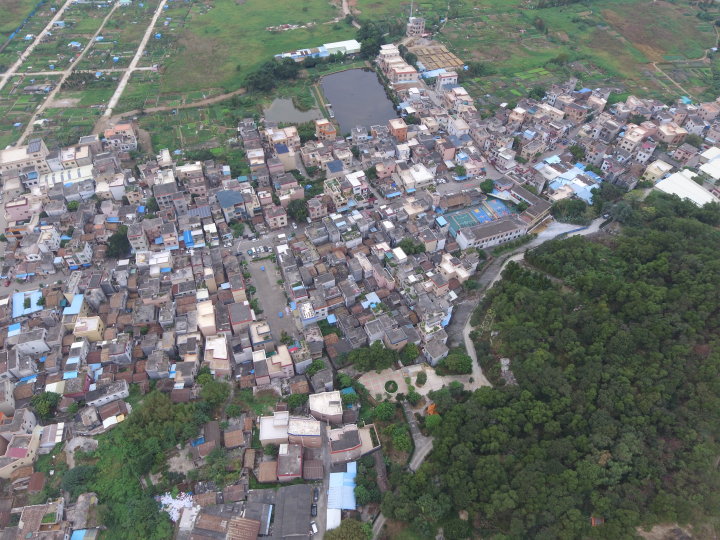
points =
(617, 407)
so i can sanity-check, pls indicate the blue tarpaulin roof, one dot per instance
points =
(14, 329)
(332, 319)
(70, 375)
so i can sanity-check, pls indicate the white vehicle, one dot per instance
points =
(254, 239)
(294, 225)
(313, 527)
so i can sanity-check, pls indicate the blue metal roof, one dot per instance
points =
(74, 308)
(18, 303)
(342, 489)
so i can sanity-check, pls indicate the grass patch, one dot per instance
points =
(261, 404)
(234, 34)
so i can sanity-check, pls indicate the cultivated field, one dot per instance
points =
(13, 13)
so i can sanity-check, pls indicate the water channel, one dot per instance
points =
(358, 99)
(283, 110)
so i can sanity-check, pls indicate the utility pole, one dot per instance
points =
(411, 9)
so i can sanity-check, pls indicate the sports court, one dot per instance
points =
(489, 210)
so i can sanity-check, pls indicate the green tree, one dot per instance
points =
(421, 378)
(521, 207)
(577, 152)
(152, 205)
(297, 209)
(537, 92)
(384, 412)
(371, 173)
(409, 354)
(72, 206)
(460, 170)
(458, 362)
(44, 403)
(349, 399)
(349, 529)
(118, 244)
(215, 392)
(694, 140)
(77, 480)
(317, 365)
(27, 304)
(297, 400)
(73, 408)
(433, 421)
(413, 398)
(270, 450)
(636, 119)
(487, 186)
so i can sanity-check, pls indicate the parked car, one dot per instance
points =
(316, 494)
(266, 249)
(313, 510)
(254, 239)
(250, 251)
(294, 225)
(313, 527)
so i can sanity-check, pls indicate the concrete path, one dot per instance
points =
(86, 444)
(423, 445)
(346, 11)
(65, 74)
(133, 65)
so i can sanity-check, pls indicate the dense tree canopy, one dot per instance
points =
(616, 410)
(118, 244)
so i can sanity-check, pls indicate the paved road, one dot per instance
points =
(126, 77)
(65, 74)
(321, 519)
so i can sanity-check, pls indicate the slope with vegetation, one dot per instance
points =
(616, 410)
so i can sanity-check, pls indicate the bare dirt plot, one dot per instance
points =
(179, 463)
(63, 103)
(665, 532)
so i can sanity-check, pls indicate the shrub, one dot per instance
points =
(391, 386)
(401, 440)
(233, 410)
(421, 378)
